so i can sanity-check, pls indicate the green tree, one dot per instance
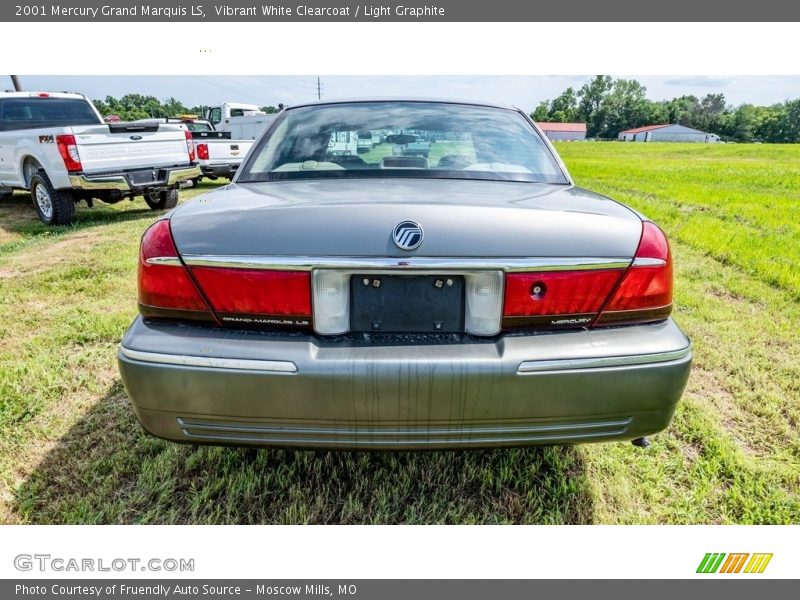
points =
(590, 105)
(564, 109)
(682, 110)
(271, 110)
(624, 107)
(542, 112)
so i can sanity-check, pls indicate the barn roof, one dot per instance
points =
(569, 127)
(646, 128)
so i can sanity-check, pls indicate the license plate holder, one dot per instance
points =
(143, 177)
(407, 303)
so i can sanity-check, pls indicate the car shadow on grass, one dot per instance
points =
(106, 470)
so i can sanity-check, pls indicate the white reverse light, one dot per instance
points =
(331, 302)
(484, 299)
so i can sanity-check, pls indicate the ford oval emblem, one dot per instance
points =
(407, 235)
(136, 137)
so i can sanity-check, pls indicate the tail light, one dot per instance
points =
(257, 296)
(68, 149)
(557, 298)
(645, 292)
(190, 145)
(638, 294)
(168, 289)
(202, 151)
(165, 287)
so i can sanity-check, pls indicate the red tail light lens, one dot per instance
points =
(202, 151)
(645, 292)
(264, 294)
(189, 145)
(639, 294)
(68, 149)
(557, 298)
(165, 287)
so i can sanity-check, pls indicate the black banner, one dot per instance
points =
(394, 589)
(412, 10)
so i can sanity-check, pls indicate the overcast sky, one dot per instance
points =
(523, 91)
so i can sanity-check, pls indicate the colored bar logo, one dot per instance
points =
(719, 562)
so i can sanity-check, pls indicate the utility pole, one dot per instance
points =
(16, 83)
(319, 89)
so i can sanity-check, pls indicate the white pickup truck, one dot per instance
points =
(218, 155)
(224, 138)
(57, 146)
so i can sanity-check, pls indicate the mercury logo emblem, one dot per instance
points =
(407, 235)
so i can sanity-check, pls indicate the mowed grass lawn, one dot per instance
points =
(72, 452)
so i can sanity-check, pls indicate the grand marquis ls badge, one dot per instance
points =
(407, 235)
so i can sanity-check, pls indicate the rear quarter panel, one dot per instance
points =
(38, 145)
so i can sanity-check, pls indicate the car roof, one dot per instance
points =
(40, 94)
(404, 99)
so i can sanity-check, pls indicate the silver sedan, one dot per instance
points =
(402, 274)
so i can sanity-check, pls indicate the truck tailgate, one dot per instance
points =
(104, 148)
(226, 150)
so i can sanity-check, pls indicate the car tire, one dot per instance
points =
(162, 200)
(6, 194)
(54, 207)
(196, 181)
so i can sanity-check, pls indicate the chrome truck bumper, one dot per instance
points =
(227, 170)
(127, 182)
(206, 385)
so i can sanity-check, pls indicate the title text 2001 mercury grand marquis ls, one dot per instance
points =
(403, 274)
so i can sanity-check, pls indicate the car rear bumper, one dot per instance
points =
(125, 181)
(206, 385)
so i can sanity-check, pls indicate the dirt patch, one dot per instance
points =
(44, 257)
(726, 295)
(706, 388)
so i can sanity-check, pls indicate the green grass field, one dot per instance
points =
(72, 452)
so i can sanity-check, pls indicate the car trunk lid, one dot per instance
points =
(356, 218)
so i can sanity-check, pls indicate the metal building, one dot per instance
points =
(667, 133)
(570, 132)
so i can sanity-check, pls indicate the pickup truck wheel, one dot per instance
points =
(6, 194)
(162, 200)
(54, 207)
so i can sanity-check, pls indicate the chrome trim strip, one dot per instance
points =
(254, 427)
(462, 440)
(308, 263)
(600, 362)
(272, 366)
(649, 262)
(169, 261)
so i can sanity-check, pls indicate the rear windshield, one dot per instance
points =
(198, 127)
(402, 139)
(31, 113)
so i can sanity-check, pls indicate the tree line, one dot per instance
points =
(606, 105)
(132, 107)
(609, 106)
